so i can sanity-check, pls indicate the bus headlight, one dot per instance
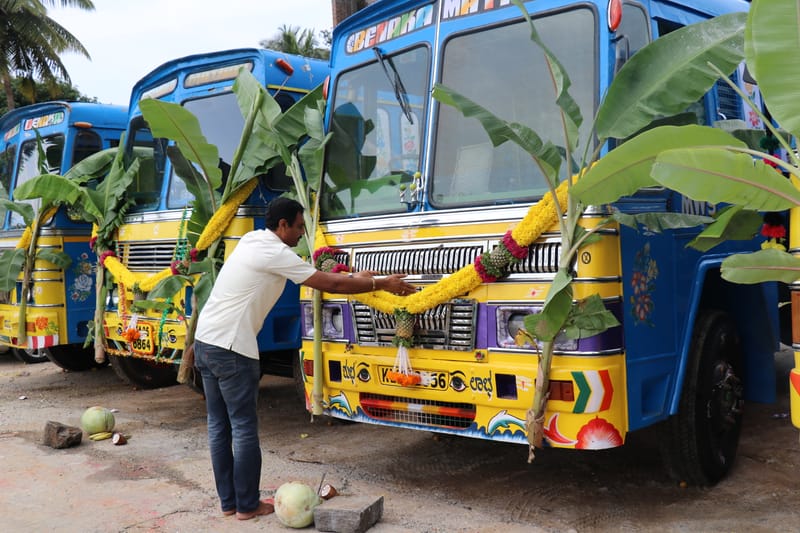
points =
(332, 321)
(510, 323)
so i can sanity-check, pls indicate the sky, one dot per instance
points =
(126, 39)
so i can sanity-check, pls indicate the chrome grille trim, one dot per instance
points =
(433, 261)
(450, 326)
(425, 260)
(147, 256)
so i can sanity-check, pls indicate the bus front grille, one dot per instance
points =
(450, 326)
(147, 256)
(416, 411)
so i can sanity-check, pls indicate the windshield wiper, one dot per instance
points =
(397, 84)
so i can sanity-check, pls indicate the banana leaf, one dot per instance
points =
(570, 109)
(764, 265)
(557, 307)
(312, 152)
(205, 199)
(732, 223)
(771, 47)
(54, 190)
(173, 121)
(626, 169)
(23, 209)
(714, 174)
(59, 259)
(658, 222)
(95, 166)
(11, 262)
(669, 74)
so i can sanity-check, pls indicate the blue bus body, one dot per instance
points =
(148, 238)
(63, 300)
(466, 194)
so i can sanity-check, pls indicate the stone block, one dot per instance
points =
(58, 435)
(348, 514)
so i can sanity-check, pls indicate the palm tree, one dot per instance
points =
(30, 43)
(292, 40)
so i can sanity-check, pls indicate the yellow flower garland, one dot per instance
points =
(25, 239)
(541, 216)
(214, 229)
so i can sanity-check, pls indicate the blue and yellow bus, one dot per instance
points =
(61, 302)
(154, 233)
(412, 186)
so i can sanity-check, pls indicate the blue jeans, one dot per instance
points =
(230, 383)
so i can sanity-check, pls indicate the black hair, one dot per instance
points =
(279, 209)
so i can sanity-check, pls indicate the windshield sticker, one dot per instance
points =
(43, 121)
(459, 8)
(10, 133)
(389, 29)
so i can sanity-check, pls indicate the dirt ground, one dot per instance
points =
(161, 480)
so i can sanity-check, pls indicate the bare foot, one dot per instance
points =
(264, 507)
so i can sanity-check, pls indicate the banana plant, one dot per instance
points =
(269, 137)
(52, 190)
(654, 84)
(732, 171)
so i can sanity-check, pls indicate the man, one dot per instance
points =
(226, 351)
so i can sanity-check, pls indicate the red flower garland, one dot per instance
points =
(481, 270)
(773, 231)
(104, 256)
(519, 252)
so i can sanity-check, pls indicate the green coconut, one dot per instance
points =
(97, 420)
(295, 503)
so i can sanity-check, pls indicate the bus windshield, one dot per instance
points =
(377, 122)
(53, 146)
(467, 169)
(221, 122)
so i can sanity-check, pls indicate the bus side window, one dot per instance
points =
(86, 144)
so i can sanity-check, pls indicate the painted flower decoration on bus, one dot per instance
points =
(598, 434)
(81, 288)
(643, 284)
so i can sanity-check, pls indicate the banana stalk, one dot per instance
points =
(99, 312)
(534, 420)
(316, 395)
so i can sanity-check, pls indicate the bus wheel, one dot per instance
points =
(73, 357)
(699, 442)
(144, 373)
(30, 355)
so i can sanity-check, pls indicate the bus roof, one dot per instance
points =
(382, 8)
(316, 69)
(101, 115)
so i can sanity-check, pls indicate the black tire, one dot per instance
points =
(699, 443)
(30, 356)
(144, 373)
(73, 357)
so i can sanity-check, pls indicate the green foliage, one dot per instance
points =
(658, 222)
(11, 262)
(627, 169)
(670, 73)
(59, 259)
(173, 121)
(764, 265)
(771, 49)
(589, 317)
(730, 223)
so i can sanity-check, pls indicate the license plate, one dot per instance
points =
(430, 380)
(144, 344)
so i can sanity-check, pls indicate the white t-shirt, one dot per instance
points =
(249, 283)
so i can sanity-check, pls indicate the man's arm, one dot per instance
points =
(359, 282)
